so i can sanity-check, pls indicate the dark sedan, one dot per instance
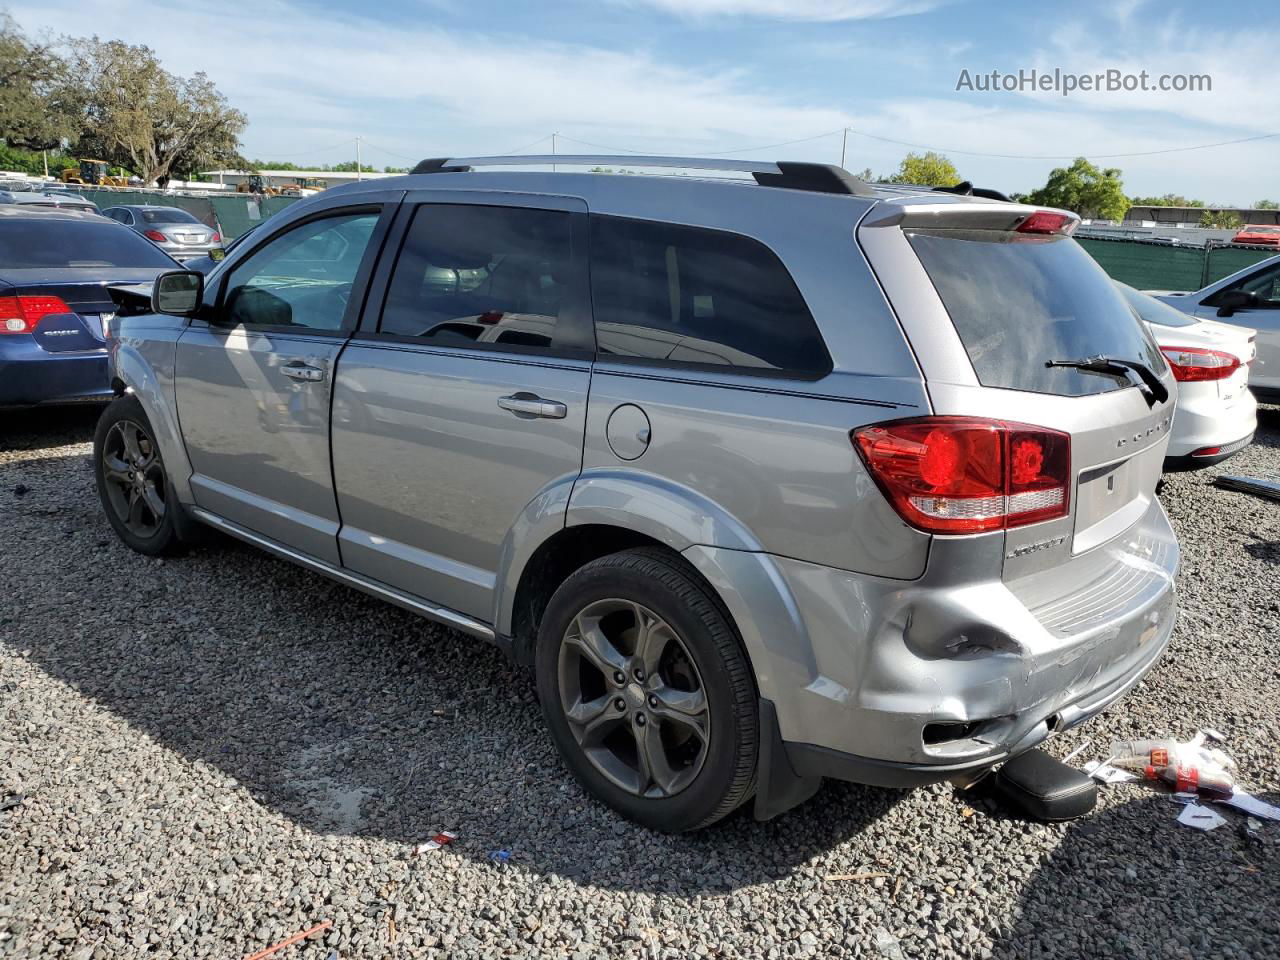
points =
(57, 270)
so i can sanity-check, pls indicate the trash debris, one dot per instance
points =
(1247, 803)
(500, 857)
(1185, 766)
(325, 925)
(447, 713)
(867, 875)
(1254, 485)
(441, 839)
(1078, 750)
(11, 801)
(1201, 817)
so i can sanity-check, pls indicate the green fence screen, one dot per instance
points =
(1163, 266)
(231, 214)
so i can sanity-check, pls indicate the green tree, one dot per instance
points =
(1266, 205)
(1221, 219)
(1093, 193)
(1166, 200)
(135, 114)
(349, 166)
(930, 169)
(34, 112)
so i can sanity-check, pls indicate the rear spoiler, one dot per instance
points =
(925, 212)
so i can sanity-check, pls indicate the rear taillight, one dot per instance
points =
(967, 474)
(155, 235)
(23, 314)
(1046, 221)
(1191, 364)
(216, 238)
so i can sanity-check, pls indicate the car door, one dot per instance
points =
(1263, 316)
(463, 396)
(254, 379)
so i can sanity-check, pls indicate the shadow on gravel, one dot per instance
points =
(1268, 551)
(1129, 882)
(345, 715)
(30, 429)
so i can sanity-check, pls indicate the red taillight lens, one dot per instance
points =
(1191, 364)
(216, 238)
(1044, 221)
(23, 314)
(155, 235)
(966, 474)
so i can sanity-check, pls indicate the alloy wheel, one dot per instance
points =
(633, 698)
(134, 478)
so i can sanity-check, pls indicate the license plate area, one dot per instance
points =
(1112, 497)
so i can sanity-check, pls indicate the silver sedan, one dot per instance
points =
(172, 229)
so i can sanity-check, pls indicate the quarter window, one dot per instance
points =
(302, 278)
(678, 294)
(473, 275)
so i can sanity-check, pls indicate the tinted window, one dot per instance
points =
(468, 275)
(302, 278)
(1265, 284)
(687, 295)
(1155, 311)
(40, 242)
(167, 216)
(1019, 300)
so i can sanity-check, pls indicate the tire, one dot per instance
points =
(143, 512)
(698, 765)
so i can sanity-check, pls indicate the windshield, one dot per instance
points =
(167, 215)
(33, 242)
(1153, 311)
(1021, 300)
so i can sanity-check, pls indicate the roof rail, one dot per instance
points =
(816, 177)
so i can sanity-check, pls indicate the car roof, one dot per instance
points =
(32, 211)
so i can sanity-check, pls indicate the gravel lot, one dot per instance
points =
(222, 750)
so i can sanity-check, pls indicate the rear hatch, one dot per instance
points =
(998, 302)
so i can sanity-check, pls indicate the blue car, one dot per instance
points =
(57, 271)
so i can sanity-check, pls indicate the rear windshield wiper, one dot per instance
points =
(1152, 387)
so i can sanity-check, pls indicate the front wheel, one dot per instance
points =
(132, 483)
(647, 691)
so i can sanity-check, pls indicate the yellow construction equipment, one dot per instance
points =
(93, 173)
(257, 184)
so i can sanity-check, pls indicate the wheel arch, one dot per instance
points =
(132, 372)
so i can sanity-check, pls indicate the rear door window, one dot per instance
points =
(483, 276)
(685, 295)
(1020, 300)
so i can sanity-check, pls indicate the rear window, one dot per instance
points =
(167, 216)
(1154, 311)
(1019, 301)
(37, 242)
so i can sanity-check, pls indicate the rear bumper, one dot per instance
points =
(186, 251)
(30, 375)
(903, 683)
(1203, 420)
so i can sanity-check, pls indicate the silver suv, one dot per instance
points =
(769, 478)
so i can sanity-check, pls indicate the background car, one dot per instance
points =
(56, 302)
(1216, 414)
(172, 229)
(60, 200)
(205, 264)
(1247, 298)
(1258, 233)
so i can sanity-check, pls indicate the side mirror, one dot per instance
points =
(177, 293)
(1233, 300)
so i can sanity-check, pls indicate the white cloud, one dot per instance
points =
(826, 11)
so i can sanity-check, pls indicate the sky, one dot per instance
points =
(740, 78)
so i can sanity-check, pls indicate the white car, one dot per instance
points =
(1248, 298)
(1216, 413)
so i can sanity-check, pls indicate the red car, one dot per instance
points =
(1255, 233)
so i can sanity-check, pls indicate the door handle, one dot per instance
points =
(530, 405)
(297, 370)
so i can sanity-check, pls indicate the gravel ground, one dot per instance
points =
(221, 750)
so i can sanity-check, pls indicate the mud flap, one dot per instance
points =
(778, 786)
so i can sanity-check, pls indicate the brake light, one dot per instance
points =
(23, 314)
(1046, 221)
(216, 238)
(155, 235)
(1191, 364)
(968, 474)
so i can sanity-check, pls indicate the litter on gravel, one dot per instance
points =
(441, 839)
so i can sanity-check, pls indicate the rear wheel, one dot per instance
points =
(132, 483)
(647, 692)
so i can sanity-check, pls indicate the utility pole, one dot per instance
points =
(359, 174)
(844, 142)
(45, 154)
(553, 150)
